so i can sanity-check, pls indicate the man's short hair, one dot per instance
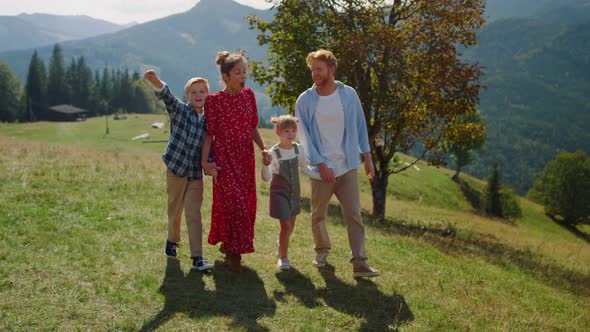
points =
(323, 55)
(193, 81)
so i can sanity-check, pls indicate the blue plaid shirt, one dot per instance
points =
(187, 133)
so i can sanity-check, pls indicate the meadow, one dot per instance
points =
(83, 225)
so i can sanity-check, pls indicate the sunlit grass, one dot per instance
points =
(83, 226)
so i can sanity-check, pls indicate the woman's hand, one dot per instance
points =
(266, 157)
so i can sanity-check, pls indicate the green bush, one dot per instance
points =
(509, 203)
(564, 188)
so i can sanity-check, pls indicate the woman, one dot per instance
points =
(232, 120)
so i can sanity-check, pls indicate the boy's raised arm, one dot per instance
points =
(173, 104)
(152, 77)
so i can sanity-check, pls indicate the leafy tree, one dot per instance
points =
(57, 88)
(474, 140)
(564, 188)
(143, 100)
(36, 89)
(402, 58)
(509, 203)
(10, 94)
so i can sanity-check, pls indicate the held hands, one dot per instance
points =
(266, 157)
(326, 174)
(152, 77)
(211, 169)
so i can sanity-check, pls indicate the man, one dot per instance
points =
(333, 134)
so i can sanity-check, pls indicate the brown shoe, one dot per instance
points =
(362, 269)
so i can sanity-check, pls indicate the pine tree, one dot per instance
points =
(57, 89)
(85, 83)
(493, 206)
(36, 90)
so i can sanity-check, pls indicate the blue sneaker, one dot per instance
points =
(170, 249)
(200, 264)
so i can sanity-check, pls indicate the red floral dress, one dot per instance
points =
(230, 120)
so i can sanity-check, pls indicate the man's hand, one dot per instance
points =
(326, 174)
(369, 168)
(150, 76)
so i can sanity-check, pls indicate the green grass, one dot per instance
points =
(83, 221)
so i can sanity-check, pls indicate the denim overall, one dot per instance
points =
(284, 188)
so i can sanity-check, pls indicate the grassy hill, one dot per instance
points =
(83, 220)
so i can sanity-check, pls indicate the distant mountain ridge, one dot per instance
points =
(571, 11)
(25, 31)
(536, 103)
(179, 46)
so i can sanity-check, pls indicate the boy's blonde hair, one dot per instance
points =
(323, 55)
(193, 81)
(284, 121)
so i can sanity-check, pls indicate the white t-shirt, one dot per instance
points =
(330, 119)
(286, 154)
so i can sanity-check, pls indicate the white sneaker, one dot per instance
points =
(320, 259)
(283, 264)
(200, 264)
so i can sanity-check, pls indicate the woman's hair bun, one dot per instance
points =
(221, 56)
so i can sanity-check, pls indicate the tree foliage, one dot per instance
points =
(10, 94)
(462, 154)
(493, 206)
(500, 200)
(36, 89)
(564, 188)
(57, 88)
(403, 60)
(115, 91)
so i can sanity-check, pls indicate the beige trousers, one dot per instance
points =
(346, 189)
(188, 195)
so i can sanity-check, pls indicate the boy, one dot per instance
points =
(184, 178)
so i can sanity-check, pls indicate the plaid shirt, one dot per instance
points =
(187, 133)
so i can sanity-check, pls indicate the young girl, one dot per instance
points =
(232, 120)
(287, 158)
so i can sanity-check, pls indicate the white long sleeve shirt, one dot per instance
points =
(286, 154)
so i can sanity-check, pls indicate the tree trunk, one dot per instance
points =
(456, 175)
(379, 188)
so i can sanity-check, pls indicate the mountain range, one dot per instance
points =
(537, 74)
(536, 56)
(25, 31)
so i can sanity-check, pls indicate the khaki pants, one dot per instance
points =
(187, 194)
(346, 189)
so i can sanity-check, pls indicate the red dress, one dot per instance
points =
(230, 120)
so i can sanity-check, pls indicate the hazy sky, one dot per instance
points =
(116, 11)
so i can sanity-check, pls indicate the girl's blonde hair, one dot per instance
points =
(284, 121)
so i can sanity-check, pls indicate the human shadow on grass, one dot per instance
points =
(378, 311)
(446, 239)
(240, 296)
